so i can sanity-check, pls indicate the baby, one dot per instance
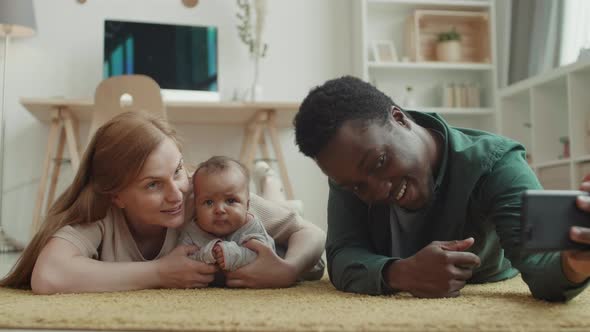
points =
(222, 222)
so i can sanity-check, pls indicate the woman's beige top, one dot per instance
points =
(110, 240)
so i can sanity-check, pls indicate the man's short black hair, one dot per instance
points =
(327, 107)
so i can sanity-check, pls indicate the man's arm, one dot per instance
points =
(353, 264)
(501, 194)
(438, 270)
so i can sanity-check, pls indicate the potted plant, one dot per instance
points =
(448, 48)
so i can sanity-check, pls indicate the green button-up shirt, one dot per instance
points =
(478, 194)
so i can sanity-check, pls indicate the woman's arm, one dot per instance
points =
(304, 242)
(61, 268)
(305, 247)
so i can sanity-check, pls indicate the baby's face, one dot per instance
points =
(221, 201)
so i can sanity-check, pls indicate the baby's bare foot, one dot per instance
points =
(218, 254)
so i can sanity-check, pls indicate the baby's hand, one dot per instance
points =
(218, 254)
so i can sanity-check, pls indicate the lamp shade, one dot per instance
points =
(19, 16)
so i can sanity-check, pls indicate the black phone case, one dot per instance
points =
(547, 216)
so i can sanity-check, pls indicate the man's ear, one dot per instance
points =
(399, 116)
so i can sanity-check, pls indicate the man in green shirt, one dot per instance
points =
(416, 205)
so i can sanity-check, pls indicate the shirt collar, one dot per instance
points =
(434, 122)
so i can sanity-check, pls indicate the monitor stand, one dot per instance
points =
(190, 96)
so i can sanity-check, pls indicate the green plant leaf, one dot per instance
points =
(449, 35)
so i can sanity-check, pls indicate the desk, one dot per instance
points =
(64, 115)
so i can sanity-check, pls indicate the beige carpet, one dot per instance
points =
(310, 306)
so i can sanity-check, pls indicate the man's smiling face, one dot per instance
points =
(380, 163)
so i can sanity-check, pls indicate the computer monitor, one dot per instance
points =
(182, 59)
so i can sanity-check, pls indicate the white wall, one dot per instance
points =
(309, 42)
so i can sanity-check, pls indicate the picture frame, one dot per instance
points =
(384, 51)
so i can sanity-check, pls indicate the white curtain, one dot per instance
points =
(534, 38)
(576, 30)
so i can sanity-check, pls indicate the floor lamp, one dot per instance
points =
(17, 19)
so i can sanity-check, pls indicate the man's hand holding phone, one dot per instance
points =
(576, 263)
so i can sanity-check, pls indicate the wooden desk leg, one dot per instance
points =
(69, 121)
(264, 148)
(276, 144)
(76, 125)
(56, 168)
(246, 143)
(252, 134)
(257, 132)
(51, 140)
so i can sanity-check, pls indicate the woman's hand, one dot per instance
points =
(576, 263)
(267, 271)
(176, 270)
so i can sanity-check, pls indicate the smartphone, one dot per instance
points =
(547, 216)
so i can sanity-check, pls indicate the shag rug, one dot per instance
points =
(309, 306)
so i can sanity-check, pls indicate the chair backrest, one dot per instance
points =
(124, 93)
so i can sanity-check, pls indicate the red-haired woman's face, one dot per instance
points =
(156, 196)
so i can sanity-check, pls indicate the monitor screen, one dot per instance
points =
(177, 57)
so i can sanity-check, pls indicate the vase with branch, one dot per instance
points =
(251, 16)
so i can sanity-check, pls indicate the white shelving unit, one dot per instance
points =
(388, 20)
(544, 111)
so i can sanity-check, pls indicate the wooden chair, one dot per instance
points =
(112, 96)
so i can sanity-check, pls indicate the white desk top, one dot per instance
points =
(214, 113)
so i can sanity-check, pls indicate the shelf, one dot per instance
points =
(522, 94)
(559, 106)
(581, 169)
(556, 84)
(550, 120)
(435, 3)
(432, 65)
(556, 176)
(582, 159)
(579, 103)
(552, 163)
(387, 20)
(553, 74)
(515, 119)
